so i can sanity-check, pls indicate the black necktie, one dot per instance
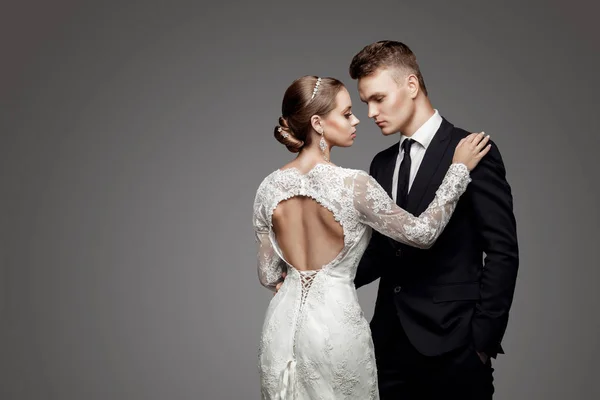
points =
(404, 174)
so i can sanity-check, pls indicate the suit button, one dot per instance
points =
(398, 252)
(397, 289)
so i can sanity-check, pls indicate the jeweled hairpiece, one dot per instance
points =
(284, 134)
(316, 88)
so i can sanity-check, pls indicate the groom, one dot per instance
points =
(440, 313)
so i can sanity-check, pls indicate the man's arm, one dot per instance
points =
(493, 207)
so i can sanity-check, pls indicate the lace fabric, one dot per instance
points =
(315, 342)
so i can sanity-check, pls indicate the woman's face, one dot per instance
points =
(339, 126)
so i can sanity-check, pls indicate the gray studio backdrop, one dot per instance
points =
(133, 138)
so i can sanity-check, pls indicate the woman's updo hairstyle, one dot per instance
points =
(306, 96)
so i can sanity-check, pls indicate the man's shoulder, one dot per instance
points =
(386, 153)
(458, 133)
(493, 157)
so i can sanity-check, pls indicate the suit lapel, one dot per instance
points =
(387, 172)
(430, 164)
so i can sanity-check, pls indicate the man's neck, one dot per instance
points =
(423, 112)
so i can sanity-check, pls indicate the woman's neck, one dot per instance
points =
(313, 155)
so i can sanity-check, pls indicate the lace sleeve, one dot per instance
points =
(379, 211)
(270, 265)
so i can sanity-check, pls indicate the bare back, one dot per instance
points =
(307, 233)
(318, 215)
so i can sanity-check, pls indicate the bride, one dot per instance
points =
(313, 221)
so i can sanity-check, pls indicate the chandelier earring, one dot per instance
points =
(323, 145)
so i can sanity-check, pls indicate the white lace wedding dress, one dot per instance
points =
(315, 342)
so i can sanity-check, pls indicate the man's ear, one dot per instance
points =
(412, 82)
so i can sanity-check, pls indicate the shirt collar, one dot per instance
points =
(424, 135)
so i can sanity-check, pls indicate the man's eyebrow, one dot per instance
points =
(376, 94)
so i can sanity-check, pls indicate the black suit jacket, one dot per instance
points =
(448, 295)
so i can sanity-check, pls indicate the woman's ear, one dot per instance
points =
(315, 121)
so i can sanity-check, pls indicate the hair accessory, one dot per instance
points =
(316, 88)
(283, 134)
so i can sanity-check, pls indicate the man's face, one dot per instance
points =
(387, 95)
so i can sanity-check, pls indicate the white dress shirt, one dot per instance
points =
(422, 138)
